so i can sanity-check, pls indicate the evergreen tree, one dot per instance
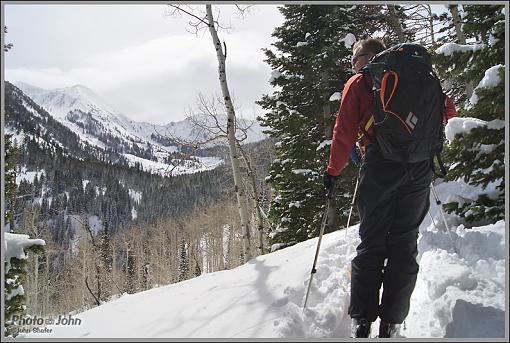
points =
(11, 154)
(15, 272)
(130, 270)
(311, 63)
(478, 156)
(184, 268)
(45, 209)
(106, 248)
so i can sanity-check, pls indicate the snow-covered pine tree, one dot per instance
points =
(130, 265)
(311, 63)
(11, 153)
(17, 247)
(10, 157)
(478, 156)
(184, 266)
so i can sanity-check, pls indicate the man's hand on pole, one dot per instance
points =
(329, 183)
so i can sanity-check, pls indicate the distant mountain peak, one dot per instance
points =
(87, 114)
(61, 101)
(80, 89)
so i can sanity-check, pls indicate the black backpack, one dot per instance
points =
(408, 104)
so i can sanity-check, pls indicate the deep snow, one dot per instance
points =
(460, 291)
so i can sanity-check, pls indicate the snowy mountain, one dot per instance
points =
(72, 105)
(460, 291)
(100, 127)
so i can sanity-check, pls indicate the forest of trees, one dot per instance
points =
(311, 62)
(184, 225)
(112, 229)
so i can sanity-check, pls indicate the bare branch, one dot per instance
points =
(242, 10)
(90, 291)
(217, 21)
(179, 8)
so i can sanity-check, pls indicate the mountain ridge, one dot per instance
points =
(86, 135)
(60, 102)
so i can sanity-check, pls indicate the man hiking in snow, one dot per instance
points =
(392, 197)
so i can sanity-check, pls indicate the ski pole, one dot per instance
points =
(440, 205)
(323, 225)
(433, 221)
(352, 202)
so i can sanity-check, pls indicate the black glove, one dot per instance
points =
(329, 182)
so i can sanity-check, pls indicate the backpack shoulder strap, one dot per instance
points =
(364, 129)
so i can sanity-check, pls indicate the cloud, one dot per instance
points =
(158, 80)
(173, 56)
(152, 76)
(47, 78)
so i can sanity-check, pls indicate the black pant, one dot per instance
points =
(393, 199)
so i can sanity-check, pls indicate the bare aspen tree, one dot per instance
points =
(461, 39)
(454, 10)
(256, 200)
(431, 23)
(420, 19)
(395, 23)
(221, 54)
(234, 157)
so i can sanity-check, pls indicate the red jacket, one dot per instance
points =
(354, 112)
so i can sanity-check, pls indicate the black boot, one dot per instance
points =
(360, 328)
(387, 330)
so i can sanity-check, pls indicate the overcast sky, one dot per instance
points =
(140, 60)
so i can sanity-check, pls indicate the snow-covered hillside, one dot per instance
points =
(60, 102)
(100, 125)
(460, 291)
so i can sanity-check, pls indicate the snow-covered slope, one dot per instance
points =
(100, 125)
(460, 292)
(59, 102)
(78, 104)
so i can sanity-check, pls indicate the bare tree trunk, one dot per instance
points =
(46, 302)
(231, 123)
(36, 284)
(84, 266)
(221, 253)
(258, 212)
(454, 10)
(461, 39)
(396, 23)
(431, 24)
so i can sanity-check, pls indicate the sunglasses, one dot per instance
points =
(354, 59)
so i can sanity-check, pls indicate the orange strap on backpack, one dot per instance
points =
(382, 95)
